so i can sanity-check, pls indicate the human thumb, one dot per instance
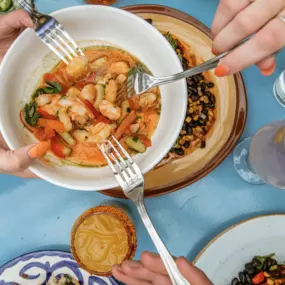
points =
(16, 20)
(18, 160)
(194, 275)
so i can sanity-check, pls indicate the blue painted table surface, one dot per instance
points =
(35, 215)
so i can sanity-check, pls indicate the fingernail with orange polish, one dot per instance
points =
(269, 71)
(214, 51)
(222, 70)
(39, 150)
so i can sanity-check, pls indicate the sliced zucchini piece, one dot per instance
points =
(5, 5)
(100, 92)
(68, 138)
(126, 109)
(134, 143)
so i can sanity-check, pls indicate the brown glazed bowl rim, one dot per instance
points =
(119, 215)
(240, 112)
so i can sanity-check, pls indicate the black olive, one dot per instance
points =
(189, 131)
(197, 78)
(210, 84)
(193, 124)
(212, 99)
(235, 281)
(241, 277)
(267, 264)
(187, 144)
(149, 21)
(248, 278)
(203, 86)
(202, 123)
(179, 151)
(256, 263)
(205, 112)
(249, 268)
(274, 262)
(192, 90)
(195, 98)
(203, 144)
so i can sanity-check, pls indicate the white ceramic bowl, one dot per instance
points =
(28, 59)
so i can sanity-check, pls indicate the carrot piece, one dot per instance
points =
(124, 126)
(50, 133)
(54, 124)
(40, 134)
(258, 278)
(144, 139)
(45, 114)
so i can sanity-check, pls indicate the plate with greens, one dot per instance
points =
(250, 252)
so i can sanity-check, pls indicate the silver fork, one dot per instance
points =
(139, 81)
(52, 34)
(131, 180)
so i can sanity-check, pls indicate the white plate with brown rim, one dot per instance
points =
(226, 255)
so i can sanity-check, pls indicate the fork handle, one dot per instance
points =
(170, 265)
(35, 15)
(208, 65)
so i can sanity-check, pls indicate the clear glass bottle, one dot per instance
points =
(261, 159)
(279, 89)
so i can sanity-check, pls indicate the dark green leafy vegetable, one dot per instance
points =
(172, 41)
(31, 114)
(52, 88)
(55, 85)
(135, 139)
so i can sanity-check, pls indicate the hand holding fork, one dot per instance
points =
(131, 180)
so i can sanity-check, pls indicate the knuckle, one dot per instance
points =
(270, 40)
(244, 24)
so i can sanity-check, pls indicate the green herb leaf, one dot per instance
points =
(30, 113)
(135, 139)
(52, 88)
(68, 109)
(180, 56)
(172, 41)
(54, 85)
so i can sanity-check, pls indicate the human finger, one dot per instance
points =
(243, 25)
(137, 270)
(226, 12)
(265, 43)
(120, 275)
(12, 161)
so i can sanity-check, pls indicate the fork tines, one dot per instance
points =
(59, 41)
(53, 34)
(125, 170)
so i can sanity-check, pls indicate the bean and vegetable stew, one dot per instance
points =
(262, 270)
(201, 109)
(80, 105)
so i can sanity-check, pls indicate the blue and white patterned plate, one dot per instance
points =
(38, 267)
